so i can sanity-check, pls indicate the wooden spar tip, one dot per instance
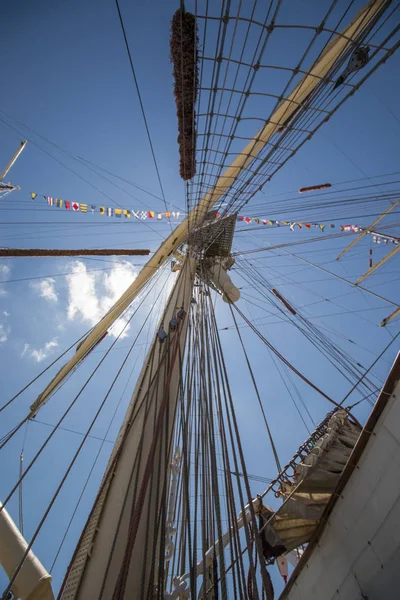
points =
(314, 188)
(284, 302)
(393, 315)
(184, 57)
(21, 252)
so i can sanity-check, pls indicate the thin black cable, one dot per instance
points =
(368, 370)
(103, 440)
(273, 446)
(141, 105)
(36, 533)
(66, 273)
(8, 436)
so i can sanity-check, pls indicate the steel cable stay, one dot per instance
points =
(103, 441)
(207, 432)
(154, 372)
(99, 190)
(368, 370)
(235, 440)
(278, 464)
(6, 438)
(12, 579)
(279, 355)
(314, 331)
(319, 267)
(141, 105)
(295, 204)
(139, 301)
(65, 274)
(286, 378)
(332, 358)
(321, 342)
(334, 184)
(92, 166)
(61, 163)
(234, 560)
(261, 320)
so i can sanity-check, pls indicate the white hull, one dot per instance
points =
(356, 553)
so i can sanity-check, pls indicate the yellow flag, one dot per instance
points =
(33, 195)
(83, 207)
(101, 210)
(127, 213)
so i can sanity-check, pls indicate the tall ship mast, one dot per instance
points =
(173, 510)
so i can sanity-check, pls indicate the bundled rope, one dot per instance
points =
(184, 57)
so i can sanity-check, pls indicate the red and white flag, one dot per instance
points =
(49, 200)
(75, 206)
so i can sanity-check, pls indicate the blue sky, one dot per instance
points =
(68, 80)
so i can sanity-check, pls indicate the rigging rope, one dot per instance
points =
(72, 462)
(141, 105)
(278, 464)
(284, 360)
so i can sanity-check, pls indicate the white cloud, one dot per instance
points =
(45, 289)
(91, 295)
(41, 353)
(4, 333)
(4, 270)
(5, 329)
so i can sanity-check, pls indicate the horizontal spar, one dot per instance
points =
(4, 252)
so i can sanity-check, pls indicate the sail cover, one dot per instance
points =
(309, 490)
